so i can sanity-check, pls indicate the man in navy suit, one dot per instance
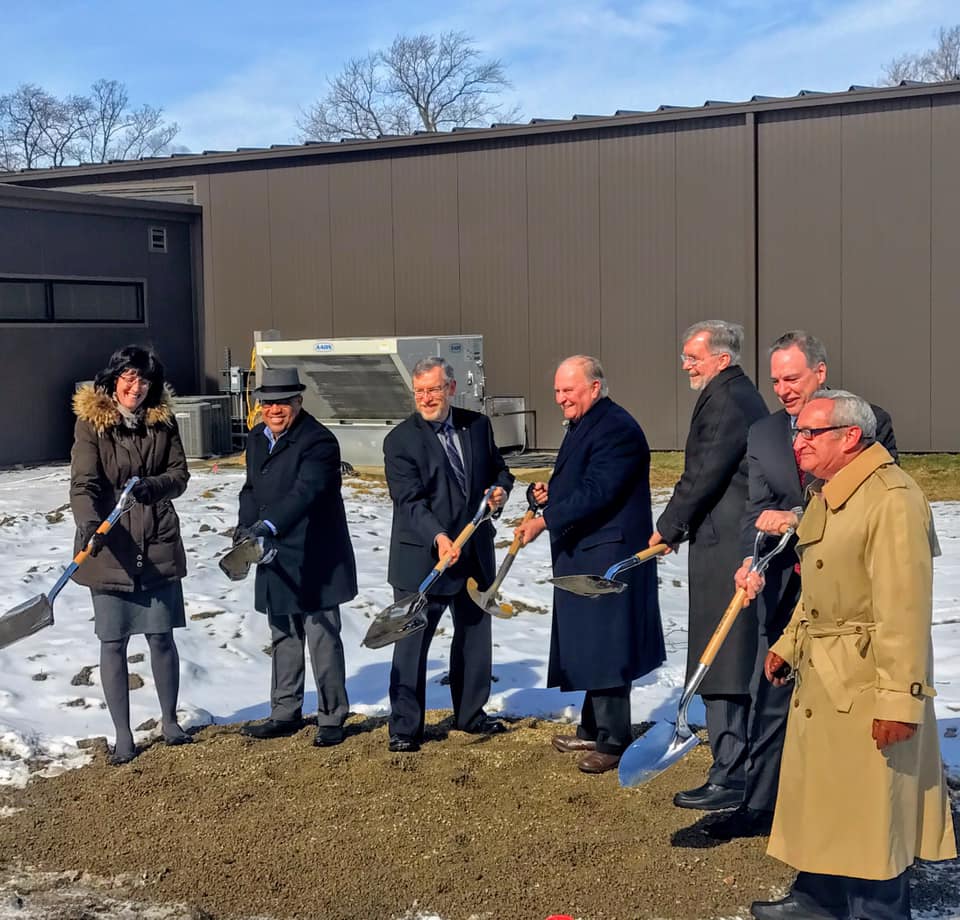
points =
(598, 512)
(798, 368)
(438, 463)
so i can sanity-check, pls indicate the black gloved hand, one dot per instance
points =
(97, 540)
(141, 492)
(253, 532)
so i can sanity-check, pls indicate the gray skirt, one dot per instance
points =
(119, 614)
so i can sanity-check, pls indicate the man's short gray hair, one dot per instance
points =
(811, 347)
(425, 365)
(850, 409)
(725, 338)
(592, 370)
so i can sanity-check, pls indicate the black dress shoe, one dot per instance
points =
(744, 822)
(709, 797)
(486, 726)
(789, 908)
(328, 736)
(400, 745)
(118, 760)
(272, 728)
(568, 744)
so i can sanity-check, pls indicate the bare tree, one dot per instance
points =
(418, 82)
(114, 131)
(38, 129)
(942, 62)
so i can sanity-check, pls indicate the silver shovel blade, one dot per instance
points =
(236, 563)
(25, 619)
(404, 618)
(588, 585)
(658, 748)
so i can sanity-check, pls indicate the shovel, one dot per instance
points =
(596, 585)
(407, 616)
(36, 613)
(664, 744)
(487, 600)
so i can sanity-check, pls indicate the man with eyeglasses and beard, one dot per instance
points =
(705, 508)
(438, 463)
(798, 368)
(291, 500)
(862, 792)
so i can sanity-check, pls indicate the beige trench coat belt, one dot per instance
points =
(840, 692)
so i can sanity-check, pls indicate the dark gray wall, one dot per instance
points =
(40, 362)
(834, 213)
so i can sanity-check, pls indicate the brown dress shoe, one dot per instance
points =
(567, 744)
(597, 762)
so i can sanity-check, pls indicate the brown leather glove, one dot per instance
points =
(776, 669)
(886, 732)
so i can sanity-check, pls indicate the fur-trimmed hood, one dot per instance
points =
(99, 410)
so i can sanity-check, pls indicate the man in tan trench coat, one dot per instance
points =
(861, 793)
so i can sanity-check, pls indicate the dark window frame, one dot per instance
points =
(51, 318)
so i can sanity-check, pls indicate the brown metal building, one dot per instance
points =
(80, 276)
(606, 235)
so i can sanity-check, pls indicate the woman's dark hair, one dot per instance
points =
(143, 361)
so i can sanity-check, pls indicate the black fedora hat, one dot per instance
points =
(278, 383)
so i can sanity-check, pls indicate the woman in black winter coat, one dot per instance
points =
(126, 427)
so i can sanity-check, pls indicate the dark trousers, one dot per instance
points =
(319, 631)
(770, 706)
(605, 718)
(854, 898)
(727, 721)
(471, 658)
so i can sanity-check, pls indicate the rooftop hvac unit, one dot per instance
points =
(360, 388)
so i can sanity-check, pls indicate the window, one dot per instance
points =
(29, 300)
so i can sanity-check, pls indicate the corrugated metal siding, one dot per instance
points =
(300, 281)
(494, 296)
(361, 241)
(564, 252)
(945, 276)
(426, 251)
(799, 251)
(638, 258)
(886, 263)
(237, 240)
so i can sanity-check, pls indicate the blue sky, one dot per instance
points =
(237, 73)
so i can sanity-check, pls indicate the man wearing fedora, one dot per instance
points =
(292, 498)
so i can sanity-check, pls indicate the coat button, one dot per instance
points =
(819, 563)
(139, 565)
(858, 629)
(808, 712)
(796, 703)
(814, 613)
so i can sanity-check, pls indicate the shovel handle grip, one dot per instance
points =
(515, 546)
(104, 528)
(462, 538)
(723, 627)
(650, 552)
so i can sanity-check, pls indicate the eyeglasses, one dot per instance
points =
(287, 401)
(133, 378)
(690, 359)
(427, 392)
(808, 434)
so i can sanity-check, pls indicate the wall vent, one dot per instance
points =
(157, 239)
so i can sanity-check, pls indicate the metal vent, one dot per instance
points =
(157, 239)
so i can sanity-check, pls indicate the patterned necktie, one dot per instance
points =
(453, 456)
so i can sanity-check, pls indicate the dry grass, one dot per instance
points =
(937, 474)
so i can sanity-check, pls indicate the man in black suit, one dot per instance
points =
(598, 512)
(291, 501)
(798, 368)
(706, 508)
(438, 463)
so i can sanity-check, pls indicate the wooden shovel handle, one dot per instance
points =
(652, 551)
(515, 546)
(723, 627)
(462, 538)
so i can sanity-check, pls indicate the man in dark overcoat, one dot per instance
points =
(598, 512)
(438, 463)
(291, 500)
(776, 496)
(706, 508)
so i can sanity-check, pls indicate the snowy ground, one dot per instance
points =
(49, 689)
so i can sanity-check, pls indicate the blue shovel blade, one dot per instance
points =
(658, 748)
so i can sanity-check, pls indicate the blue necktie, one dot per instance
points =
(453, 456)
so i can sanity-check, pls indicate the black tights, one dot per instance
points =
(114, 677)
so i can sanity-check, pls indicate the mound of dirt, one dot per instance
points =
(497, 827)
